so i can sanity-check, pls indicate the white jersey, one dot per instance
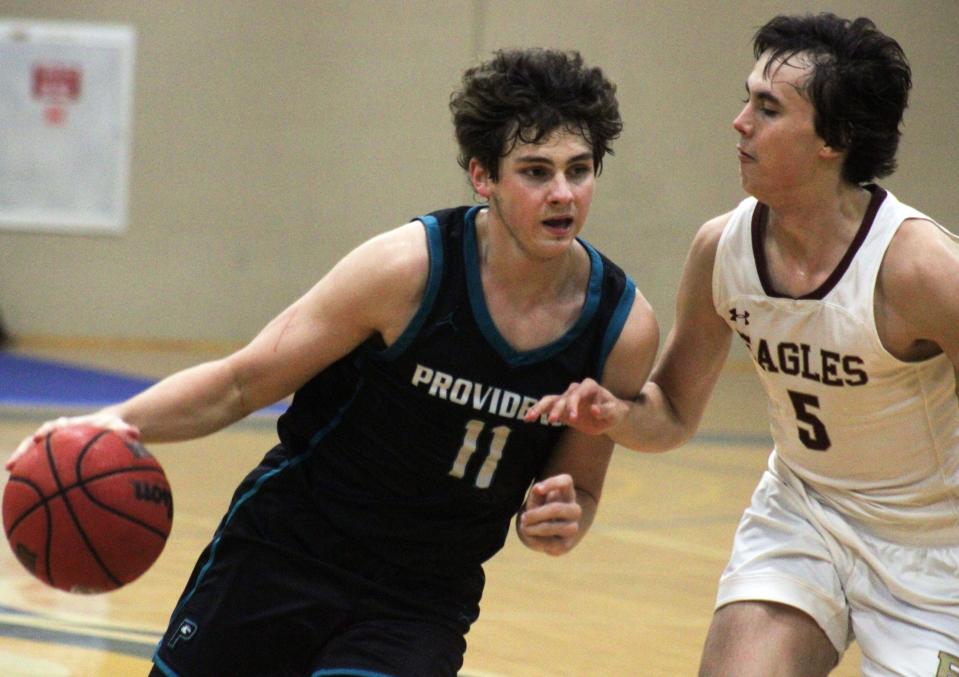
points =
(869, 435)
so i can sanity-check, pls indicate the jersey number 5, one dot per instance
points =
(813, 432)
(474, 429)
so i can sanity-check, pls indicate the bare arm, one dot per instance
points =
(668, 410)
(561, 507)
(375, 288)
(917, 300)
(671, 406)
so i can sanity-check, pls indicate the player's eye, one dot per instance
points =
(536, 172)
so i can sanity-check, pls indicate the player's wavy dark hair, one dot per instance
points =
(859, 86)
(523, 95)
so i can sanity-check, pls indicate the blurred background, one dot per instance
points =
(269, 138)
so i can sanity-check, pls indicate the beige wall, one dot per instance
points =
(271, 137)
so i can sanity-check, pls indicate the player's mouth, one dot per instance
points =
(743, 155)
(560, 224)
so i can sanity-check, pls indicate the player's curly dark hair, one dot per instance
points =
(523, 95)
(859, 85)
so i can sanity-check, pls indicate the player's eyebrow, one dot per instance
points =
(533, 158)
(763, 95)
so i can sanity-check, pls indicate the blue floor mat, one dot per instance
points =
(33, 382)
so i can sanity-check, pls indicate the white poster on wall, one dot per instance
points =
(65, 104)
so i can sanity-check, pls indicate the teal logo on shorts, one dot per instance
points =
(183, 633)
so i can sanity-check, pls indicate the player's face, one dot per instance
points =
(779, 150)
(543, 193)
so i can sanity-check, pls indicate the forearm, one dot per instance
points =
(651, 423)
(186, 405)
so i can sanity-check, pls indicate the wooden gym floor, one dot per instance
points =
(634, 599)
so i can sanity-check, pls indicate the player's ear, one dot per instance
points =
(480, 178)
(827, 152)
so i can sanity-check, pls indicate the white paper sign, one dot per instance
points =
(65, 105)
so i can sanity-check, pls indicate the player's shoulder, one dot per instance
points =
(640, 326)
(920, 249)
(917, 279)
(634, 351)
(706, 242)
(409, 238)
(399, 252)
(712, 229)
(917, 233)
(383, 279)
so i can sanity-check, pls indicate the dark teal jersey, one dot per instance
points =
(419, 450)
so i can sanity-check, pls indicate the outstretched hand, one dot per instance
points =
(586, 406)
(103, 420)
(550, 522)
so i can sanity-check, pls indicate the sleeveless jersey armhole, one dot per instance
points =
(616, 324)
(434, 242)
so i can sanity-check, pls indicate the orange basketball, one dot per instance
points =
(86, 510)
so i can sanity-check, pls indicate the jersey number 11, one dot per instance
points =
(498, 437)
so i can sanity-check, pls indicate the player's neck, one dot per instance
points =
(532, 301)
(509, 267)
(807, 225)
(804, 242)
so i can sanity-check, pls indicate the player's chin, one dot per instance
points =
(552, 246)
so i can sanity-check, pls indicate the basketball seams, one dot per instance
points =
(116, 512)
(43, 499)
(69, 506)
(47, 515)
(29, 511)
(48, 546)
(83, 481)
(46, 498)
(134, 504)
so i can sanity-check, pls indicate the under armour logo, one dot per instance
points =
(744, 316)
(185, 632)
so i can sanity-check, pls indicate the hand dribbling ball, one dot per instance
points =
(86, 510)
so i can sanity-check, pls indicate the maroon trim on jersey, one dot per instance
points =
(760, 218)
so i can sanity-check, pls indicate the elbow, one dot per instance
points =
(675, 441)
(665, 438)
(676, 436)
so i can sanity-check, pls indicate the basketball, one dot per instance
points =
(86, 510)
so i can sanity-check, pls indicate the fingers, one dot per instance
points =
(550, 522)
(586, 406)
(554, 519)
(557, 488)
(554, 538)
(556, 408)
(103, 420)
(19, 451)
(27, 442)
(542, 407)
(568, 407)
(552, 489)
